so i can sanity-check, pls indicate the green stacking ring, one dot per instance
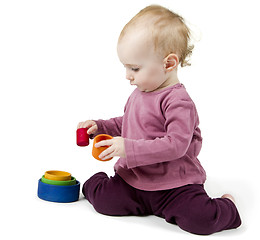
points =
(60, 183)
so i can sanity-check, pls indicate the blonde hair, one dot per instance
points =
(168, 31)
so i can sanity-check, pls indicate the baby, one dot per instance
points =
(158, 138)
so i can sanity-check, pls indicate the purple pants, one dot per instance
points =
(189, 206)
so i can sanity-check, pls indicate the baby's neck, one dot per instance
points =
(171, 80)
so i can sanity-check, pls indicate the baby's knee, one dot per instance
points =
(109, 196)
(93, 185)
(97, 193)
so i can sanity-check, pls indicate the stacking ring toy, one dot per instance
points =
(97, 151)
(57, 175)
(57, 193)
(61, 183)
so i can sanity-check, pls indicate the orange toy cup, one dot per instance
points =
(97, 151)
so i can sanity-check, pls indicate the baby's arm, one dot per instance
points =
(112, 126)
(180, 125)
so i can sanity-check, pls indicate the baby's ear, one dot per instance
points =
(170, 62)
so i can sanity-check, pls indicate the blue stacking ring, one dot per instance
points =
(56, 193)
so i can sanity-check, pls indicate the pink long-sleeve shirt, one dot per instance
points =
(162, 140)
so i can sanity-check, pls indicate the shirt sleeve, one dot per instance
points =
(180, 118)
(112, 126)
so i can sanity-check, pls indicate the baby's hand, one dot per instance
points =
(117, 148)
(90, 124)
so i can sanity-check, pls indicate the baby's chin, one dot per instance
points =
(146, 90)
(142, 89)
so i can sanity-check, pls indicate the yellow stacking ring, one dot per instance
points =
(57, 175)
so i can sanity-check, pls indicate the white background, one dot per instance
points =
(59, 66)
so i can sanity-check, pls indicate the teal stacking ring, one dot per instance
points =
(57, 193)
(61, 183)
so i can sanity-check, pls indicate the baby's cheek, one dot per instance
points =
(143, 79)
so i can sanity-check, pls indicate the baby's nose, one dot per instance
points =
(131, 78)
(129, 75)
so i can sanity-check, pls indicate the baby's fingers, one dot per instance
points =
(92, 129)
(106, 154)
(104, 143)
(87, 124)
(80, 125)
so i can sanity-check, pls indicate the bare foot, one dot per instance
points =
(230, 197)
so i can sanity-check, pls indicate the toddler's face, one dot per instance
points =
(144, 68)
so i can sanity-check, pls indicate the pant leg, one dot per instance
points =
(112, 196)
(194, 211)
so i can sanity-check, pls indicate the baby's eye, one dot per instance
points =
(135, 69)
